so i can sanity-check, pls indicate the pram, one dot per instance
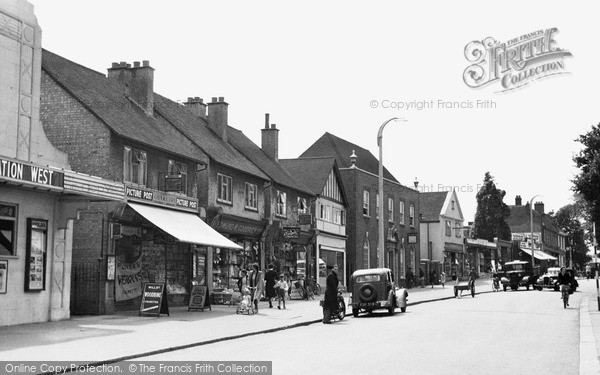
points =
(245, 306)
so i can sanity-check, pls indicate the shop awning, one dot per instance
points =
(185, 227)
(538, 254)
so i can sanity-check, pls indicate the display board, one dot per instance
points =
(199, 298)
(154, 300)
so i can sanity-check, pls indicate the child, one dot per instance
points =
(282, 288)
(246, 302)
(443, 278)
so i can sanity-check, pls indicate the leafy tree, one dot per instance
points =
(587, 182)
(491, 214)
(570, 219)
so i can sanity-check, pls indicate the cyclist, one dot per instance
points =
(565, 281)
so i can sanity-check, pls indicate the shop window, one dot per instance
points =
(401, 213)
(134, 166)
(281, 207)
(366, 202)
(8, 220)
(251, 196)
(224, 184)
(391, 210)
(302, 206)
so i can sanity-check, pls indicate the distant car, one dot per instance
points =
(374, 289)
(550, 280)
(518, 273)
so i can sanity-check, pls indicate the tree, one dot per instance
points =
(491, 214)
(570, 219)
(587, 182)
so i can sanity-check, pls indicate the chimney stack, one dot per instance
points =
(539, 207)
(138, 81)
(197, 106)
(270, 139)
(217, 117)
(518, 200)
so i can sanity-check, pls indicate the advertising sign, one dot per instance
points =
(154, 300)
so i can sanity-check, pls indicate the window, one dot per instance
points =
(224, 184)
(339, 216)
(457, 228)
(8, 227)
(281, 207)
(251, 196)
(391, 210)
(177, 168)
(302, 207)
(401, 213)
(448, 228)
(411, 215)
(325, 213)
(134, 166)
(366, 202)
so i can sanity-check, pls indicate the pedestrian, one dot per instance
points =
(421, 277)
(255, 284)
(432, 278)
(453, 275)
(443, 279)
(270, 280)
(242, 281)
(409, 278)
(331, 291)
(281, 288)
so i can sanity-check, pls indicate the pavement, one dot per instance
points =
(107, 339)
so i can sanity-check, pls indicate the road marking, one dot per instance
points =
(588, 357)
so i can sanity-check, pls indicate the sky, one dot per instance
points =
(347, 67)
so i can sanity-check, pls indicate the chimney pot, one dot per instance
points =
(146, 63)
(197, 98)
(273, 126)
(266, 121)
(115, 65)
(214, 99)
(123, 64)
(136, 64)
(128, 66)
(518, 200)
(190, 99)
(221, 99)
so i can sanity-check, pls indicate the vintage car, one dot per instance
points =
(518, 273)
(374, 289)
(550, 280)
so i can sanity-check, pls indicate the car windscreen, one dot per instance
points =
(367, 278)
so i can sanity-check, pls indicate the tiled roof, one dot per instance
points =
(313, 172)
(106, 99)
(431, 204)
(340, 149)
(269, 166)
(197, 130)
(519, 220)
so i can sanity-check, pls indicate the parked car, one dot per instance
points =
(374, 289)
(518, 273)
(550, 280)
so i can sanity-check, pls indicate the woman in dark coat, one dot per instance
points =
(331, 292)
(270, 280)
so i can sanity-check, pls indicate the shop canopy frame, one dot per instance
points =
(539, 254)
(184, 226)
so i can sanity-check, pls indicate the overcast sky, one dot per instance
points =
(339, 66)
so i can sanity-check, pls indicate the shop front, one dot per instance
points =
(293, 252)
(454, 260)
(158, 237)
(227, 263)
(481, 255)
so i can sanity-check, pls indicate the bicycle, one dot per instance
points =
(313, 286)
(564, 289)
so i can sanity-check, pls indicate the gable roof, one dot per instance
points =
(519, 220)
(314, 172)
(431, 204)
(452, 196)
(173, 128)
(266, 164)
(340, 149)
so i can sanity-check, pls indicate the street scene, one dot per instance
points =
(209, 187)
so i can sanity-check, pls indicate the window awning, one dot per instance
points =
(186, 227)
(538, 254)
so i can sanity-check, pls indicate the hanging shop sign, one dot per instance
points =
(30, 174)
(160, 198)
(290, 233)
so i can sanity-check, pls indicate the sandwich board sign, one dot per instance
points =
(199, 298)
(154, 300)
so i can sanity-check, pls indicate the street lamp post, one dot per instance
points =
(531, 227)
(381, 239)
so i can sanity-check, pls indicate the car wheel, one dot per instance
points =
(504, 287)
(403, 309)
(527, 286)
(514, 287)
(539, 288)
(355, 313)
(367, 293)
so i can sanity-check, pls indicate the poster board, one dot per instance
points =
(199, 298)
(154, 300)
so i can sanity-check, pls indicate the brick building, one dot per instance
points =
(359, 176)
